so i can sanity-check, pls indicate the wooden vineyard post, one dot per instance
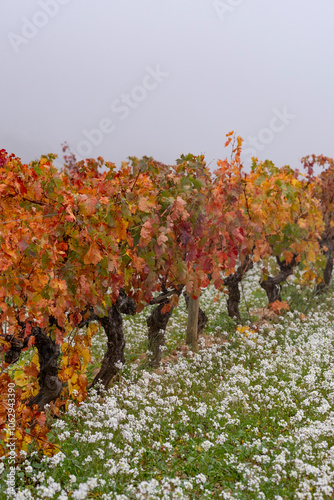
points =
(192, 325)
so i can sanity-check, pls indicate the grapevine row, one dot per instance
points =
(82, 246)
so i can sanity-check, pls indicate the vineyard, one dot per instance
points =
(171, 323)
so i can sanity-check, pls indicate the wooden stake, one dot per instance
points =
(192, 325)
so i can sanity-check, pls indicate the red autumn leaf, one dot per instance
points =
(27, 330)
(22, 188)
(59, 337)
(31, 340)
(40, 418)
(166, 308)
(22, 244)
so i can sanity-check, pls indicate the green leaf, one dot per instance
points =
(17, 301)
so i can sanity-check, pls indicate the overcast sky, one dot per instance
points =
(165, 77)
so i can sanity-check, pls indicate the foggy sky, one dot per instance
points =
(166, 77)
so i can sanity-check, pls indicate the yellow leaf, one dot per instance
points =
(35, 360)
(64, 348)
(18, 434)
(65, 361)
(27, 439)
(311, 255)
(85, 353)
(68, 372)
(60, 285)
(92, 328)
(121, 227)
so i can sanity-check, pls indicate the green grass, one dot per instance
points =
(248, 418)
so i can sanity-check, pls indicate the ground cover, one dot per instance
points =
(248, 417)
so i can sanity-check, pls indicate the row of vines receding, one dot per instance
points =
(83, 246)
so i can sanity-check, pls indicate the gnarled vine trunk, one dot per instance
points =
(50, 386)
(233, 299)
(232, 283)
(272, 285)
(327, 274)
(49, 352)
(328, 269)
(157, 323)
(14, 352)
(113, 328)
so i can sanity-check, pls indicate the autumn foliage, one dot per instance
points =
(82, 246)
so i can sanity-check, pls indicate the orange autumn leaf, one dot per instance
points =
(278, 306)
(93, 256)
(31, 370)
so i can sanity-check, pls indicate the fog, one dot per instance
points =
(162, 78)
